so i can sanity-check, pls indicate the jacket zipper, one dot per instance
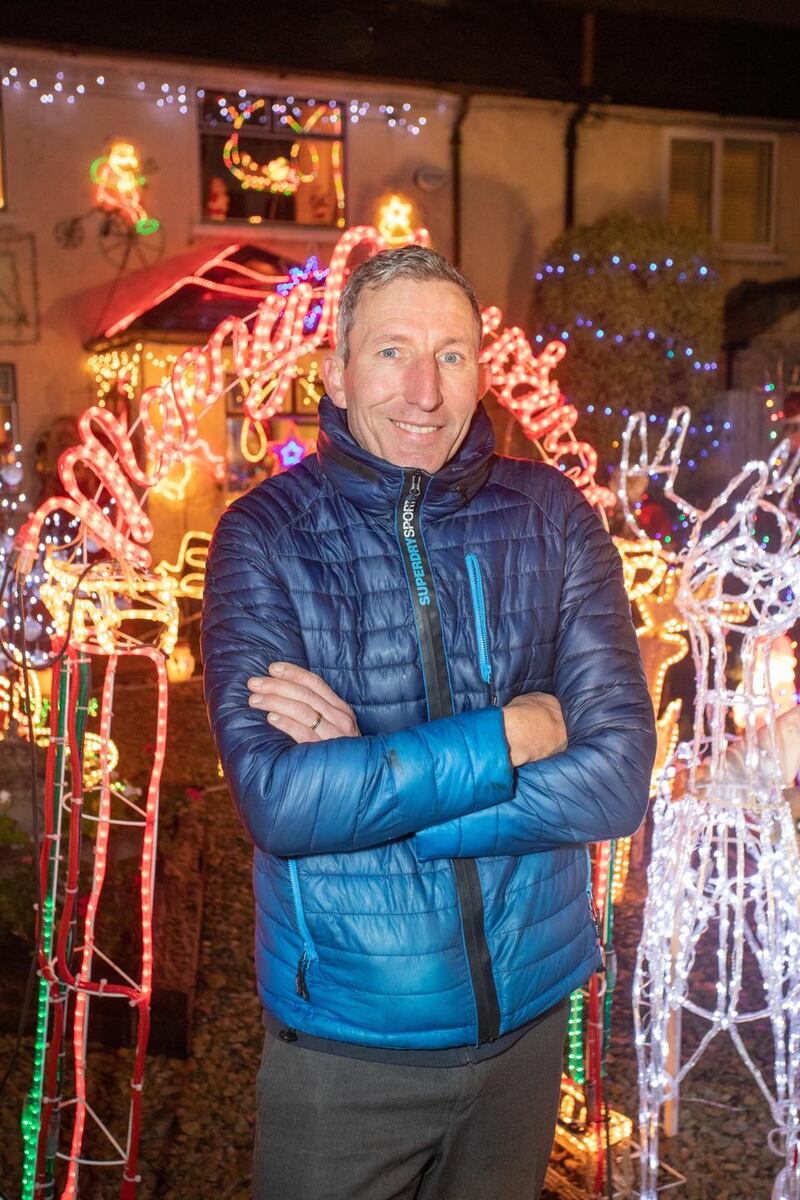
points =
(479, 609)
(439, 699)
(308, 955)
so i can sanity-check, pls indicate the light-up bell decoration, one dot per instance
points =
(725, 866)
(118, 183)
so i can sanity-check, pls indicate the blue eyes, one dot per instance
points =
(450, 357)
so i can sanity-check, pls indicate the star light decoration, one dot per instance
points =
(290, 452)
(725, 869)
(311, 272)
(395, 220)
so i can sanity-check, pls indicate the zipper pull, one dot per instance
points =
(416, 483)
(598, 928)
(300, 977)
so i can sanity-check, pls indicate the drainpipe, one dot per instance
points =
(577, 117)
(455, 174)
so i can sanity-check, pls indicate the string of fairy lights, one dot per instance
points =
(69, 83)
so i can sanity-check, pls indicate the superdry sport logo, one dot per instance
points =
(412, 549)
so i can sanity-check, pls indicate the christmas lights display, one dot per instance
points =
(118, 185)
(725, 867)
(68, 969)
(395, 220)
(70, 82)
(263, 361)
(586, 1125)
(280, 175)
(101, 608)
(640, 304)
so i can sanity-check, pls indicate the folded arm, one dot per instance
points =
(333, 794)
(598, 787)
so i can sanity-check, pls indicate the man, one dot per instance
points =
(391, 632)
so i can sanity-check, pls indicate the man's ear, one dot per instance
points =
(484, 379)
(333, 374)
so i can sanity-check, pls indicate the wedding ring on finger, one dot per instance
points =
(318, 722)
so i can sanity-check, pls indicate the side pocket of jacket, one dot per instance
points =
(308, 955)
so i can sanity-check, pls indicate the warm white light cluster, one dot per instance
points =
(725, 866)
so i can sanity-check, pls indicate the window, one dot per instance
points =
(724, 185)
(8, 410)
(268, 158)
(3, 201)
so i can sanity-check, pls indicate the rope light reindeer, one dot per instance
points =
(725, 866)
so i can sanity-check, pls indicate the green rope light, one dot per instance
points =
(31, 1119)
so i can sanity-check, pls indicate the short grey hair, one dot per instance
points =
(407, 262)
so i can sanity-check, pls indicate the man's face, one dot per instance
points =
(412, 381)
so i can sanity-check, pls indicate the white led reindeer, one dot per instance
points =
(725, 867)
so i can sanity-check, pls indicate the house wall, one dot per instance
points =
(515, 169)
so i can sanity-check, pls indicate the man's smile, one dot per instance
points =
(409, 428)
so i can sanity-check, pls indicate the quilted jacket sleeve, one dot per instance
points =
(337, 795)
(598, 787)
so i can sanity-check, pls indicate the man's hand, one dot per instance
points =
(534, 728)
(301, 704)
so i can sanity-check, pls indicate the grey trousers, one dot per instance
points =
(335, 1128)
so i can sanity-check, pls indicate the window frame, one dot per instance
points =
(717, 138)
(12, 399)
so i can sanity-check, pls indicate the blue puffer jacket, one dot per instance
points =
(413, 891)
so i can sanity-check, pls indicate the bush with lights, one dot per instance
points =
(640, 307)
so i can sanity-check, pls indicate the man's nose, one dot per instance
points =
(424, 390)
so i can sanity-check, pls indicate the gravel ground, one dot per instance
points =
(198, 1114)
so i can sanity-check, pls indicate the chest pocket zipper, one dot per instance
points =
(479, 612)
(308, 955)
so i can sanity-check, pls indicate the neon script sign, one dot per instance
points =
(264, 360)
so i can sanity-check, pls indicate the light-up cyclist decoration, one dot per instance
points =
(118, 183)
(725, 866)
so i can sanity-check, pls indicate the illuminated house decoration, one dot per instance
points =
(725, 860)
(262, 359)
(229, 298)
(118, 186)
(780, 669)
(279, 175)
(395, 220)
(272, 158)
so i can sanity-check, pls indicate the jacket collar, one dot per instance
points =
(373, 484)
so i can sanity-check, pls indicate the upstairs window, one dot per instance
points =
(725, 186)
(3, 201)
(271, 158)
(8, 410)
